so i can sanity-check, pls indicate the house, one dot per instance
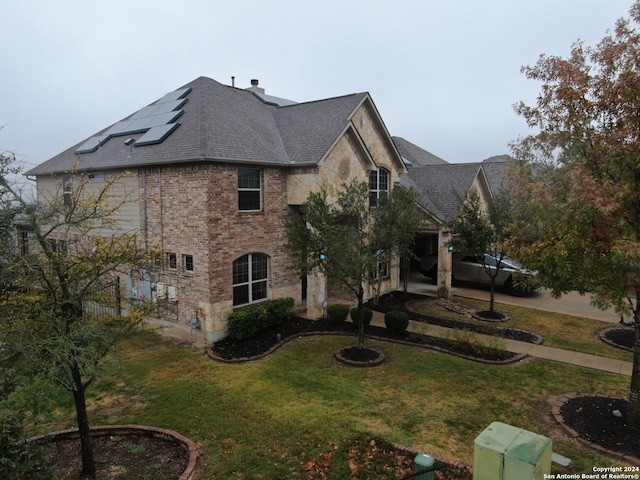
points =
(442, 188)
(215, 172)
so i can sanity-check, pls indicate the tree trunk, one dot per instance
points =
(86, 447)
(360, 319)
(492, 302)
(633, 412)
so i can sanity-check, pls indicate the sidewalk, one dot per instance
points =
(538, 351)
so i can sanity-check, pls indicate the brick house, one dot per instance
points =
(216, 170)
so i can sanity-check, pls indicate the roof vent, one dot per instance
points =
(254, 86)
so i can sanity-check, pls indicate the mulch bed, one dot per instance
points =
(267, 339)
(602, 421)
(620, 337)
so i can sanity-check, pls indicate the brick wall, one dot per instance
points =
(192, 209)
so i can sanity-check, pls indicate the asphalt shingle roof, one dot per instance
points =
(222, 123)
(443, 186)
(415, 154)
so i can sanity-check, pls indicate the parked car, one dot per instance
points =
(516, 279)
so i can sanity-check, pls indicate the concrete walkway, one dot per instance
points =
(538, 351)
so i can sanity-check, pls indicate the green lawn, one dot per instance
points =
(269, 418)
(561, 331)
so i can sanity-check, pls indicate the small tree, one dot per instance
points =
(335, 239)
(478, 233)
(77, 247)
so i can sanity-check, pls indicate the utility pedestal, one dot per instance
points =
(504, 452)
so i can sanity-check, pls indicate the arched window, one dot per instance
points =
(250, 278)
(378, 185)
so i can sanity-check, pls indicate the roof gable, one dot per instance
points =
(444, 186)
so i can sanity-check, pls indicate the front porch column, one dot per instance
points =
(444, 264)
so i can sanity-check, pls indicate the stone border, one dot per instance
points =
(602, 338)
(557, 401)
(412, 451)
(103, 430)
(355, 363)
(476, 314)
(211, 354)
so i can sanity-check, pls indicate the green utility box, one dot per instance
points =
(504, 452)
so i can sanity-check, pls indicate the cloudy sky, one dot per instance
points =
(443, 74)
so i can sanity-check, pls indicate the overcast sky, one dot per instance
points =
(443, 74)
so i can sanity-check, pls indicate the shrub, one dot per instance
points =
(396, 321)
(367, 315)
(337, 313)
(278, 311)
(246, 322)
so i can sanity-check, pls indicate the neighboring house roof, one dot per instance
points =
(495, 169)
(414, 155)
(216, 123)
(442, 187)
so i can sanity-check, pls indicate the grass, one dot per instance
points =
(276, 417)
(562, 331)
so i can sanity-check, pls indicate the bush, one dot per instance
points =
(278, 311)
(337, 313)
(396, 321)
(246, 322)
(367, 315)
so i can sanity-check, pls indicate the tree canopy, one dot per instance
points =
(72, 255)
(348, 241)
(577, 215)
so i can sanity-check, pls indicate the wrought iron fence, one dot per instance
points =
(107, 301)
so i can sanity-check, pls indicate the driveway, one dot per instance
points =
(571, 304)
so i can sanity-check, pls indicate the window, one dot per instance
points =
(23, 242)
(58, 246)
(382, 266)
(250, 273)
(187, 263)
(378, 185)
(249, 189)
(67, 192)
(172, 260)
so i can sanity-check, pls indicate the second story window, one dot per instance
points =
(378, 185)
(67, 192)
(249, 189)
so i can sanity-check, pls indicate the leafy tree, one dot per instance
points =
(477, 232)
(77, 248)
(335, 240)
(347, 240)
(577, 216)
(397, 220)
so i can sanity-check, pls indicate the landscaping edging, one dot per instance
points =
(211, 354)
(412, 451)
(104, 430)
(379, 360)
(602, 336)
(557, 401)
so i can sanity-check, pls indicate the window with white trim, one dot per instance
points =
(378, 185)
(249, 189)
(250, 278)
